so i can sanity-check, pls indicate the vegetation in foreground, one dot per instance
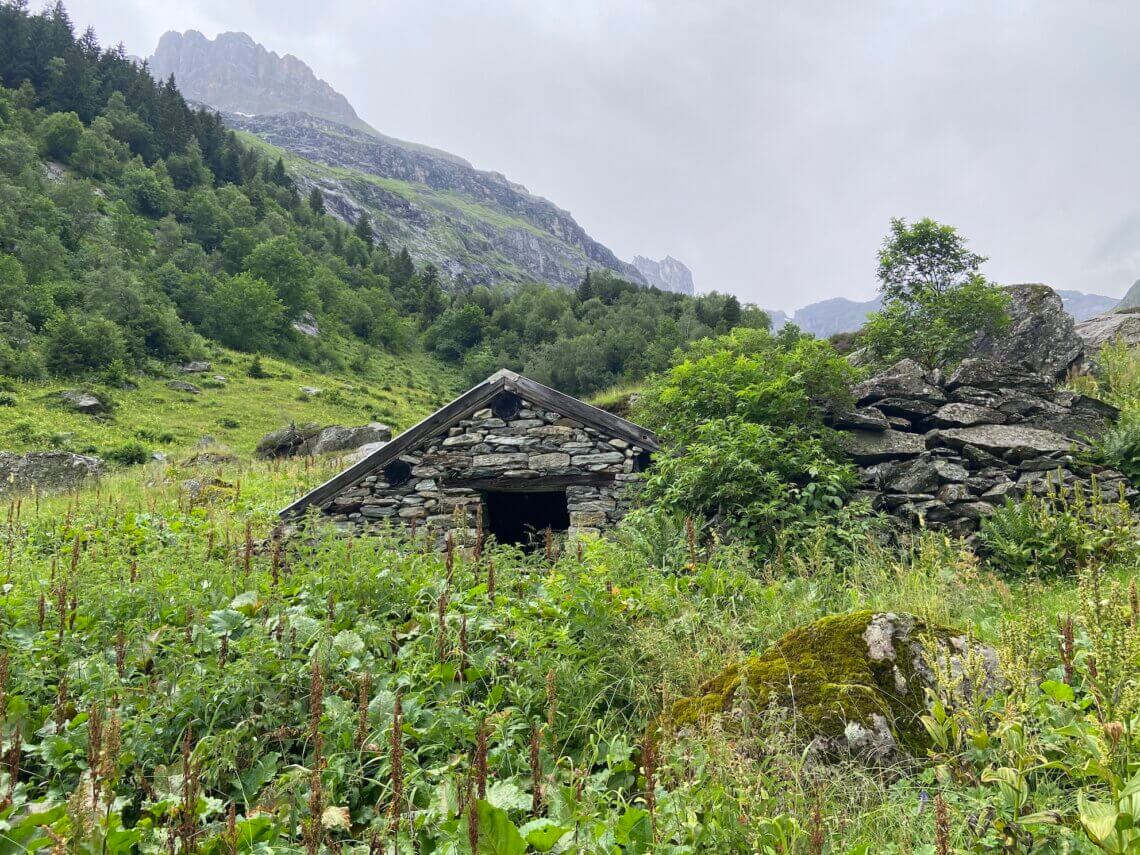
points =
(168, 682)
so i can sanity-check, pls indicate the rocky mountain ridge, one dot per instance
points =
(668, 274)
(476, 226)
(233, 73)
(472, 224)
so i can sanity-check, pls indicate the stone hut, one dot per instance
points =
(510, 455)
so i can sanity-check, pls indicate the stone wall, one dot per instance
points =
(526, 448)
(949, 450)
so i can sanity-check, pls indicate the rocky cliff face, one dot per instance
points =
(473, 225)
(233, 73)
(668, 274)
(469, 223)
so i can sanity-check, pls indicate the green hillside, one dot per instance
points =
(235, 412)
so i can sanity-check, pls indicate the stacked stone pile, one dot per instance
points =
(949, 450)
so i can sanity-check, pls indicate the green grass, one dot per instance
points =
(396, 390)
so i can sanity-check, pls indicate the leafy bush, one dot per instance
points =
(7, 399)
(755, 481)
(131, 452)
(1059, 533)
(743, 419)
(1119, 447)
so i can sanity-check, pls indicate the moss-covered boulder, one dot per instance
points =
(854, 684)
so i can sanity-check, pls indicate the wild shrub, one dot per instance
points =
(130, 453)
(1059, 533)
(743, 417)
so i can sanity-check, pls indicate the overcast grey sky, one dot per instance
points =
(765, 144)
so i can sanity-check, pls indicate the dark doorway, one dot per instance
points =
(521, 518)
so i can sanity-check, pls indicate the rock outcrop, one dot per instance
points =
(82, 402)
(310, 440)
(854, 684)
(233, 72)
(1041, 334)
(471, 224)
(948, 450)
(1122, 325)
(668, 274)
(46, 471)
(465, 221)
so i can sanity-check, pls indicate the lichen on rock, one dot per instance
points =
(854, 684)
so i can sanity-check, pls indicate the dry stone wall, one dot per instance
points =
(427, 485)
(949, 450)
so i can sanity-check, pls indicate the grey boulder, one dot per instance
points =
(1122, 326)
(82, 402)
(46, 471)
(1041, 334)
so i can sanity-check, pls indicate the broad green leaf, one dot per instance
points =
(1062, 693)
(348, 643)
(634, 831)
(497, 834)
(1098, 818)
(225, 621)
(543, 834)
(508, 795)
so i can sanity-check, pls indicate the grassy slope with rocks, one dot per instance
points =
(236, 412)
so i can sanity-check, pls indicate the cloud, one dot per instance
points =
(765, 144)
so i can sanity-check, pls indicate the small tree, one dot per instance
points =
(363, 229)
(316, 201)
(935, 300)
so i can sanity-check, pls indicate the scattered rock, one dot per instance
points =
(183, 386)
(905, 379)
(335, 438)
(310, 391)
(965, 415)
(83, 402)
(863, 418)
(992, 431)
(1003, 439)
(307, 325)
(854, 684)
(195, 367)
(310, 439)
(286, 441)
(1041, 335)
(46, 471)
(993, 375)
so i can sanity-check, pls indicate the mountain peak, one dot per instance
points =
(668, 274)
(235, 74)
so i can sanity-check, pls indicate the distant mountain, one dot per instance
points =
(1131, 300)
(475, 226)
(668, 274)
(235, 74)
(839, 314)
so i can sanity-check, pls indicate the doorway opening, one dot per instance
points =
(521, 518)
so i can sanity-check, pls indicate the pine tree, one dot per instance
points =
(316, 201)
(433, 301)
(363, 228)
